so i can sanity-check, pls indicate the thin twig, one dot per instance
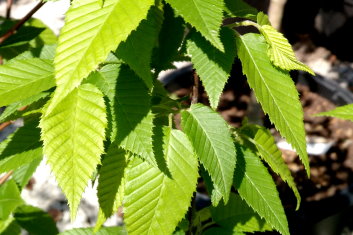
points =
(4, 125)
(5, 177)
(9, 4)
(21, 22)
(195, 89)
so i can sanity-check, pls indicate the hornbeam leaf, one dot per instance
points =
(90, 33)
(21, 148)
(275, 91)
(269, 152)
(239, 8)
(344, 112)
(102, 231)
(281, 52)
(132, 112)
(131, 50)
(212, 65)
(210, 136)
(205, 15)
(20, 79)
(23, 174)
(238, 216)
(154, 203)
(255, 185)
(73, 135)
(10, 198)
(110, 183)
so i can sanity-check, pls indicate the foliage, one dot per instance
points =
(92, 104)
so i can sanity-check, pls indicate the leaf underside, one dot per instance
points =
(154, 203)
(21, 79)
(275, 91)
(73, 135)
(281, 52)
(212, 65)
(255, 185)
(210, 137)
(90, 33)
(205, 15)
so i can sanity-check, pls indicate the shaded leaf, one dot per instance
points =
(21, 79)
(21, 147)
(209, 134)
(73, 137)
(205, 15)
(239, 8)
(212, 65)
(275, 90)
(23, 174)
(90, 33)
(35, 221)
(155, 203)
(10, 198)
(136, 52)
(255, 185)
(236, 215)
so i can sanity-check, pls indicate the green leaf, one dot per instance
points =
(10, 198)
(275, 90)
(344, 112)
(47, 37)
(281, 52)
(102, 231)
(268, 151)
(4, 223)
(110, 183)
(169, 41)
(262, 19)
(35, 221)
(21, 79)
(255, 185)
(205, 15)
(136, 52)
(239, 8)
(22, 36)
(12, 229)
(90, 33)
(13, 111)
(236, 215)
(23, 174)
(155, 203)
(20, 148)
(219, 231)
(210, 136)
(212, 65)
(73, 135)
(132, 112)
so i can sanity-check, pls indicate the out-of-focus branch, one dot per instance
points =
(275, 13)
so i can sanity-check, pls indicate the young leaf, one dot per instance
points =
(21, 79)
(20, 148)
(255, 185)
(102, 231)
(236, 215)
(136, 52)
(23, 174)
(212, 65)
(134, 120)
(275, 90)
(169, 41)
(154, 203)
(73, 135)
(268, 151)
(110, 183)
(90, 33)
(209, 134)
(10, 198)
(344, 112)
(205, 15)
(281, 52)
(262, 19)
(35, 221)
